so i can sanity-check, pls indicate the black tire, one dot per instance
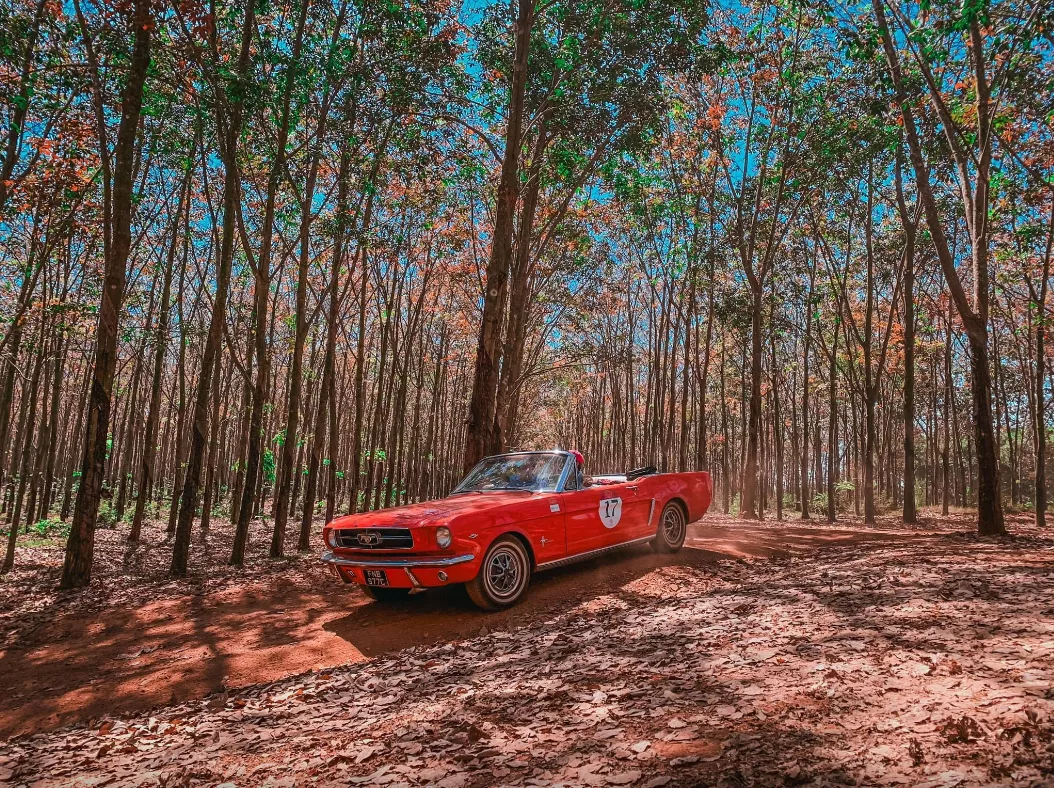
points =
(503, 576)
(673, 527)
(385, 594)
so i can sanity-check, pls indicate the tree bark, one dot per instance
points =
(318, 436)
(24, 460)
(748, 509)
(804, 459)
(80, 547)
(949, 408)
(832, 433)
(777, 425)
(1039, 428)
(974, 318)
(480, 438)
(909, 512)
(231, 122)
(290, 465)
(261, 301)
(153, 417)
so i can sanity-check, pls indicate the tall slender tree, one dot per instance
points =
(118, 184)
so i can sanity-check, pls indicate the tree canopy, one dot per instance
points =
(293, 259)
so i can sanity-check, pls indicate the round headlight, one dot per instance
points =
(332, 537)
(443, 538)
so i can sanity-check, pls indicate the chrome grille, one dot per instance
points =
(375, 538)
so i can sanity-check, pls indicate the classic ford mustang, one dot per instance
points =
(513, 515)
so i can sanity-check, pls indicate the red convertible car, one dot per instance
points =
(513, 515)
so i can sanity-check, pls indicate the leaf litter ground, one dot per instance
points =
(906, 661)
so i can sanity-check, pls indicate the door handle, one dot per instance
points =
(633, 487)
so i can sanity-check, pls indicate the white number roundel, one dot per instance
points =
(610, 512)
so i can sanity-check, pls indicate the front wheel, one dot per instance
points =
(673, 527)
(503, 576)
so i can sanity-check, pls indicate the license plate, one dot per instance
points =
(376, 577)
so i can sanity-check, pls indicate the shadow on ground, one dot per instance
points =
(121, 659)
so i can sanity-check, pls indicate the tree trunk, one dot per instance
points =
(1039, 427)
(360, 392)
(975, 318)
(288, 466)
(949, 407)
(181, 418)
(67, 493)
(25, 458)
(724, 433)
(777, 426)
(146, 471)
(58, 382)
(507, 397)
(208, 498)
(910, 513)
(127, 445)
(804, 459)
(318, 436)
(200, 426)
(245, 507)
(832, 434)
(749, 505)
(480, 439)
(80, 547)
(989, 504)
(7, 398)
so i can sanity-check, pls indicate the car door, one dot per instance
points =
(642, 513)
(604, 515)
(547, 532)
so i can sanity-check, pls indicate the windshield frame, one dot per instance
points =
(560, 484)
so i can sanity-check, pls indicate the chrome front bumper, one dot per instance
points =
(406, 564)
(384, 562)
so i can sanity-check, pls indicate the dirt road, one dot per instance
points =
(123, 658)
(853, 658)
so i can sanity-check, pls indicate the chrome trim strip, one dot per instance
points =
(352, 533)
(651, 511)
(413, 580)
(569, 460)
(381, 562)
(591, 554)
(561, 485)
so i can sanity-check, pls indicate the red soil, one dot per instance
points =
(80, 662)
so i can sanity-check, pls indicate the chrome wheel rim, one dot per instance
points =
(672, 525)
(504, 572)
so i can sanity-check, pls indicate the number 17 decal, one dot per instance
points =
(610, 512)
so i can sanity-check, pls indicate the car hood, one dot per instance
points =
(432, 512)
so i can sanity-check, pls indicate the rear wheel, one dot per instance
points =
(385, 594)
(503, 576)
(673, 527)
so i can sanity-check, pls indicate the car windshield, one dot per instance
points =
(534, 472)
